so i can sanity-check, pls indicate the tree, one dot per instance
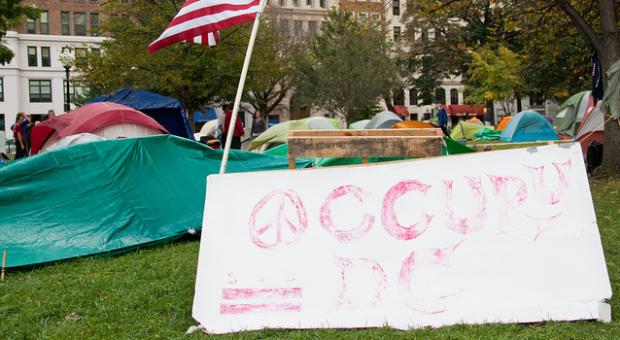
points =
(494, 75)
(194, 74)
(347, 67)
(270, 73)
(11, 14)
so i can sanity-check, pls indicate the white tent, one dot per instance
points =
(384, 120)
(81, 138)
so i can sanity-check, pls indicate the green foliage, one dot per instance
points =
(148, 294)
(494, 75)
(194, 74)
(347, 67)
(11, 14)
(554, 60)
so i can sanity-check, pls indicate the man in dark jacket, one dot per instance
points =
(442, 117)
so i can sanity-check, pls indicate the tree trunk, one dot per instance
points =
(388, 103)
(490, 115)
(519, 104)
(610, 54)
(190, 118)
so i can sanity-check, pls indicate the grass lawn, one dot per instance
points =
(148, 294)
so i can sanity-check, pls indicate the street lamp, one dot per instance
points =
(65, 59)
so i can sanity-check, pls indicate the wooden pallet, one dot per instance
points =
(364, 143)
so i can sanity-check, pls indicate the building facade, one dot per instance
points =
(34, 81)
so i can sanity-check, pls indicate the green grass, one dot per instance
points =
(148, 294)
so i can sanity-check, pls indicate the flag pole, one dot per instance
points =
(244, 73)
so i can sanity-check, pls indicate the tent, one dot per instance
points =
(384, 120)
(359, 125)
(571, 113)
(476, 121)
(202, 116)
(502, 124)
(165, 110)
(107, 120)
(110, 196)
(592, 127)
(414, 124)
(80, 138)
(278, 134)
(464, 130)
(528, 126)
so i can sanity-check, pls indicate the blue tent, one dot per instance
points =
(528, 126)
(202, 116)
(165, 110)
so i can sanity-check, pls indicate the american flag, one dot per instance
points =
(199, 21)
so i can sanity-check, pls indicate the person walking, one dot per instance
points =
(258, 125)
(442, 118)
(238, 130)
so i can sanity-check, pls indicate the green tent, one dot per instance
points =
(567, 119)
(464, 130)
(109, 196)
(278, 134)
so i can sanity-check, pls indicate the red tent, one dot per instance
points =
(90, 118)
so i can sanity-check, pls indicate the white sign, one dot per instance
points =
(506, 236)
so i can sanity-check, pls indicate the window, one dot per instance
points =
(79, 23)
(309, 3)
(399, 96)
(322, 3)
(396, 7)
(94, 24)
(424, 35)
(1, 90)
(296, 3)
(312, 27)
(80, 56)
(454, 97)
(440, 95)
(44, 23)
(363, 18)
(71, 91)
(65, 23)
(297, 26)
(282, 3)
(31, 26)
(40, 91)
(95, 51)
(2, 122)
(32, 56)
(413, 96)
(283, 26)
(396, 33)
(46, 61)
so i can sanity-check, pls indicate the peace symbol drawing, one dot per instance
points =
(278, 219)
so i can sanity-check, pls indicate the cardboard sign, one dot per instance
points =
(507, 236)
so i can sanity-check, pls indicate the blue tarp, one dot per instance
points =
(202, 116)
(165, 110)
(528, 126)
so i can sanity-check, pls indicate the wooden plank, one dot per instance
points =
(358, 146)
(506, 146)
(367, 133)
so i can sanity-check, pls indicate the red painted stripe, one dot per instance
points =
(206, 11)
(191, 33)
(265, 293)
(259, 308)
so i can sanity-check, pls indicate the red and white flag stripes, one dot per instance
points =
(199, 21)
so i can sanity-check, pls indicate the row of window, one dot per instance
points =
(41, 90)
(297, 3)
(79, 23)
(33, 59)
(1, 89)
(440, 96)
(312, 28)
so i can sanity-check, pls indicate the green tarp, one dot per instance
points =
(110, 195)
(612, 93)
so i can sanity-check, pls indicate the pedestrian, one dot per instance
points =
(20, 139)
(26, 125)
(442, 118)
(238, 130)
(258, 124)
(51, 114)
